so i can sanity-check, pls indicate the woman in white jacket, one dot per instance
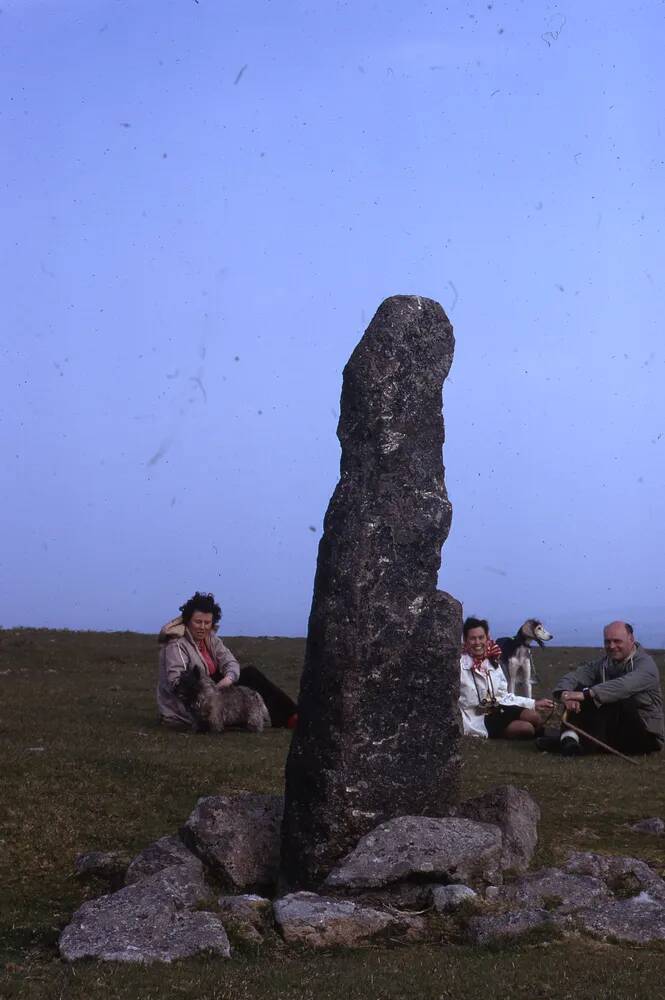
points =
(488, 709)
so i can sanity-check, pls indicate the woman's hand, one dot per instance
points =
(544, 705)
(225, 682)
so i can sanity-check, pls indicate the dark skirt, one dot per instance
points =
(500, 718)
(281, 707)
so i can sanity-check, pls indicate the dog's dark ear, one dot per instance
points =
(187, 683)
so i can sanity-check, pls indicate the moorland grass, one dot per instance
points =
(86, 766)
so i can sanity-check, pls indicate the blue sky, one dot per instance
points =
(203, 205)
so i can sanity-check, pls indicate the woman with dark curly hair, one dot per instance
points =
(189, 642)
(488, 709)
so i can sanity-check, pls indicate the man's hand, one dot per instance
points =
(225, 682)
(544, 705)
(572, 700)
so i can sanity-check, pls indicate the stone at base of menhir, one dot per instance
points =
(448, 898)
(450, 849)
(324, 922)
(108, 866)
(499, 927)
(238, 837)
(150, 921)
(640, 920)
(163, 853)
(410, 894)
(249, 917)
(628, 876)
(517, 815)
(553, 888)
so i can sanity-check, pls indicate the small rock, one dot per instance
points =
(653, 825)
(500, 926)
(447, 898)
(249, 916)
(321, 922)
(413, 927)
(639, 920)
(448, 849)
(163, 853)
(110, 866)
(238, 836)
(516, 814)
(149, 921)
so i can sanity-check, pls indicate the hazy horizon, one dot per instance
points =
(646, 636)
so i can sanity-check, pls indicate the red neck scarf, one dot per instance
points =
(492, 652)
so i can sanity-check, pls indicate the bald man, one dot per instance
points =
(617, 699)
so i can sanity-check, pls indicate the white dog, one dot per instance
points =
(516, 655)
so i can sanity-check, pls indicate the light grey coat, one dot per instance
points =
(474, 686)
(177, 654)
(636, 677)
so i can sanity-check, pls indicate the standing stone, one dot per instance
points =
(378, 729)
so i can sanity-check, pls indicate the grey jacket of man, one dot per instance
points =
(177, 654)
(635, 677)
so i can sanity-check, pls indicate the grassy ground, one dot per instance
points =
(86, 766)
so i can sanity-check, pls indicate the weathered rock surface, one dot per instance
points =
(238, 836)
(580, 898)
(320, 922)
(249, 916)
(163, 853)
(516, 813)
(654, 825)
(406, 895)
(639, 920)
(149, 921)
(501, 926)
(450, 849)
(110, 866)
(624, 876)
(552, 889)
(448, 898)
(378, 728)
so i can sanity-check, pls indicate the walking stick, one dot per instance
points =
(593, 739)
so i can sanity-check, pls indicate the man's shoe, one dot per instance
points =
(568, 745)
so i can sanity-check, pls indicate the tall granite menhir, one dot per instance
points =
(378, 731)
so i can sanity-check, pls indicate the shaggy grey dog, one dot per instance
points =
(214, 709)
